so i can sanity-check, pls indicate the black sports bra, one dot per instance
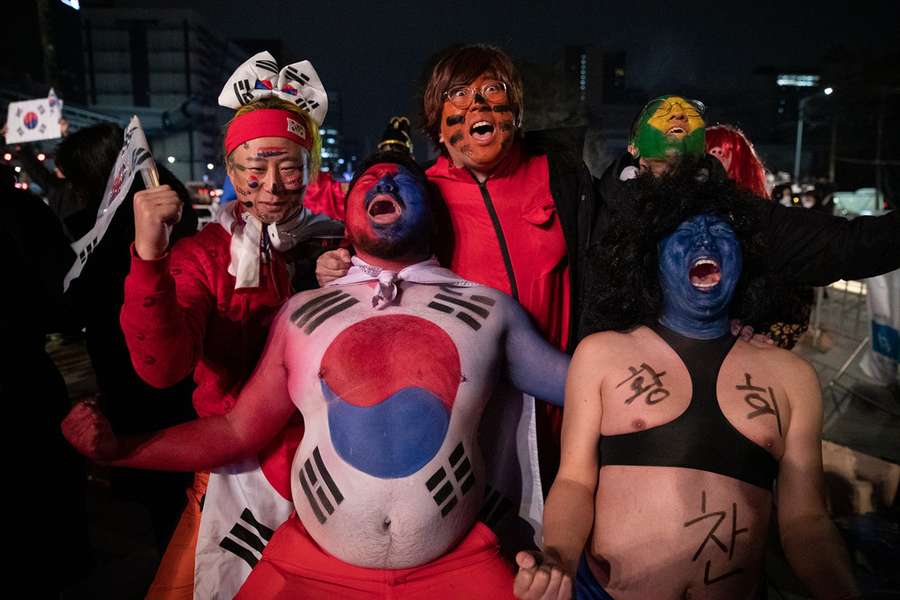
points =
(701, 437)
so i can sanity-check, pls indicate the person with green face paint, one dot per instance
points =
(669, 127)
(801, 248)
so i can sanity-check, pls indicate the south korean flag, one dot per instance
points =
(32, 121)
(241, 511)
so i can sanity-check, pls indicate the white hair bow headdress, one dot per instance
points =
(259, 77)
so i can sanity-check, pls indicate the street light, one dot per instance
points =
(798, 147)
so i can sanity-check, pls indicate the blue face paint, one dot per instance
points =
(388, 213)
(699, 266)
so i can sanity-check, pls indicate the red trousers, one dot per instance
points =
(294, 566)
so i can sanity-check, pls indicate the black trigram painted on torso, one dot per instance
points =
(467, 310)
(440, 485)
(321, 491)
(495, 507)
(313, 313)
(244, 541)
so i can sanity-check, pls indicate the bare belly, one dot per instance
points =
(673, 533)
(387, 523)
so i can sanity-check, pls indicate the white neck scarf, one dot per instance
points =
(427, 271)
(252, 241)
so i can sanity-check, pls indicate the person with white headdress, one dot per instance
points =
(205, 305)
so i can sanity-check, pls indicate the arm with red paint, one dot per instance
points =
(262, 410)
(532, 364)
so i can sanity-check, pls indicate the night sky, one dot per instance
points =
(372, 52)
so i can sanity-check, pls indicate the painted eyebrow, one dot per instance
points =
(281, 160)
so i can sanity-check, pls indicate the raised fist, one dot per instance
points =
(155, 211)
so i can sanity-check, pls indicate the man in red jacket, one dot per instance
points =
(206, 306)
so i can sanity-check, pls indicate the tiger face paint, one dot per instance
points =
(478, 137)
(670, 127)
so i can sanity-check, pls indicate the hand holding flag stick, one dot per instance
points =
(156, 209)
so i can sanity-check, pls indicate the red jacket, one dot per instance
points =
(325, 195)
(507, 235)
(181, 312)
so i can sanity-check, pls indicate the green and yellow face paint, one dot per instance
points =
(669, 127)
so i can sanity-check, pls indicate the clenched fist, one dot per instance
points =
(155, 211)
(89, 432)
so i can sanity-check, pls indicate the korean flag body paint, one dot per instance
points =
(390, 473)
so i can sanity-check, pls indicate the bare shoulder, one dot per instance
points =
(781, 361)
(484, 301)
(481, 294)
(797, 376)
(609, 343)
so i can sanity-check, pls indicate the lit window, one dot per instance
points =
(797, 80)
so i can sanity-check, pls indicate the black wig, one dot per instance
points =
(622, 288)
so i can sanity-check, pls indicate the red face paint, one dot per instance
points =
(357, 217)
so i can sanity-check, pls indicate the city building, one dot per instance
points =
(167, 67)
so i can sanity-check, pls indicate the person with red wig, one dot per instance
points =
(737, 155)
(742, 165)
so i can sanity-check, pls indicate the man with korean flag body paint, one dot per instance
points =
(391, 367)
(205, 305)
(672, 417)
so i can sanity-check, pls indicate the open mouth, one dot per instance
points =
(482, 131)
(704, 273)
(676, 131)
(384, 209)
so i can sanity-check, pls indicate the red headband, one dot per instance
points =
(267, 122)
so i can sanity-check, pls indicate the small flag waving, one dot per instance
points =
(133, 157)
(34, 120)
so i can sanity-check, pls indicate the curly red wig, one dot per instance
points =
(745, 169)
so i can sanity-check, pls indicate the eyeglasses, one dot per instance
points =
(462, 96)
(698, 107)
